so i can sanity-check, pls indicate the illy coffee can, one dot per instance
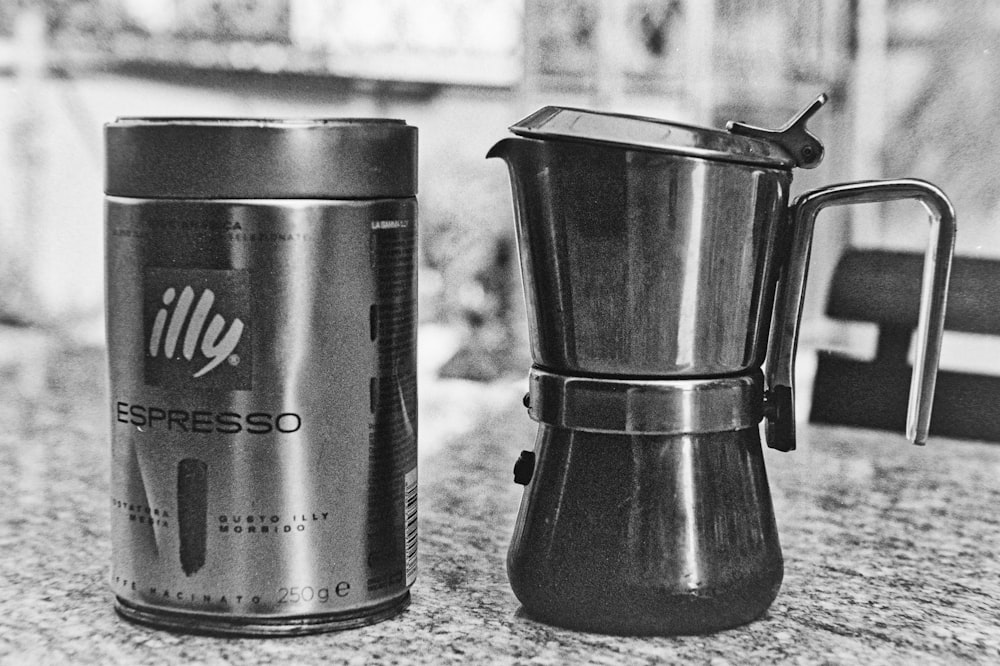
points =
(261, 302)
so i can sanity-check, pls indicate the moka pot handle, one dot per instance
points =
(779, 373)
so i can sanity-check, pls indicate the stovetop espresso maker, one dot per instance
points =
(664, 273)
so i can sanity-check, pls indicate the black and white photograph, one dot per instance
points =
(531, 332)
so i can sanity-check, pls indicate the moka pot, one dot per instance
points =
(664, 270)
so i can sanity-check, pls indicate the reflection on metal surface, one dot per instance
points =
(301, 484)
(644, 264)
(646, 534)
(262, 449)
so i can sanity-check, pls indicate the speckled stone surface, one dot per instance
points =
(891, 551)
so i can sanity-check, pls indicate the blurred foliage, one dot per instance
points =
(461, 228)
(946, 130)
(255, 20)
(96, 19)
(469, 249)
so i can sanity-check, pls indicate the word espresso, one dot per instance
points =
(206, 422)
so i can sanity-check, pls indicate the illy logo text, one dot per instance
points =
(218, 343)
(198, 328)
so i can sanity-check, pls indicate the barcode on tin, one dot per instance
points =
(410, 499)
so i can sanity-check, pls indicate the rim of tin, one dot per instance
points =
(251, 121)
(177, 157)
(259, 627)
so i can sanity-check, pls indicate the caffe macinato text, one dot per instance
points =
(205, 421)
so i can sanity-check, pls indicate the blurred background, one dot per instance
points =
(913, 86)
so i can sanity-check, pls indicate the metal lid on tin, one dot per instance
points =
(248, 158)
(788, 147)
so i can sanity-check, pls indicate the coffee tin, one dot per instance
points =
(261, 313)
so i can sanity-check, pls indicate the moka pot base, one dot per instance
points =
(646, 509)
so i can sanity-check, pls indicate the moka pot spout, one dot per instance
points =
(501, 149)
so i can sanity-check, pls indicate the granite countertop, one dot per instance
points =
(890, 550)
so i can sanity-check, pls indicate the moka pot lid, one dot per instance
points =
(785, 148)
